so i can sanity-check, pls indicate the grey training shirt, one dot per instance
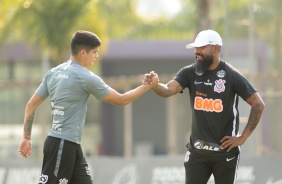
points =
(69, 86)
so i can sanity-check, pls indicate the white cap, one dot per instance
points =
(206, 37)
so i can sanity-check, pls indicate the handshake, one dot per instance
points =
(151, 79)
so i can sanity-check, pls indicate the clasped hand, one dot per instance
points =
(151, 79)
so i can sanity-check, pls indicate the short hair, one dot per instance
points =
(84, 40)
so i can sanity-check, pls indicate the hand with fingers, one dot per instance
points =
(25, 148)
(151, 79)
(230, 142)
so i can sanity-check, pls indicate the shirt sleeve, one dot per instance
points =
(183, 76)
(42, 90)
(96, 86)
(241, 85)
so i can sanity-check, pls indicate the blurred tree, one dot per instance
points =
(120, 16)
(194, 16)
(7, 10)
(178, 27)
(49, 25)
(238, 18)
(268, 22)
(203, 20)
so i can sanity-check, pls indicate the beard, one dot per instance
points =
(202, 65)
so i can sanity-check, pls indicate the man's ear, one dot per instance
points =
(218, 47)
(82, 52)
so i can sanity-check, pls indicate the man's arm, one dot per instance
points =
(257, 107)
(31, 106)
(169, 89)
(119, 99)
(25, 145)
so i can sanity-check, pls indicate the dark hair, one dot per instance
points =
(84, 40)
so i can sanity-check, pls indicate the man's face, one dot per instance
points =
(204, 59)
(90, 57)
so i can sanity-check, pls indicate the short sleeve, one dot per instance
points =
(241, 85)
(96, 86)
(184, 76)
(42, 90)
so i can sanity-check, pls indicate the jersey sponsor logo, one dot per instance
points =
(195, 82)
(201, 94)
(219, 86)
(56, 106)
(58, 112)
(43, 179)
(60, 75)
(198, 144)
(57, 128)
(221, 73)
(208, 104)
(55, 122)
(208, 83)
(63, 181)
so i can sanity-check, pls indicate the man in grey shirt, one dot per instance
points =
(69, 86)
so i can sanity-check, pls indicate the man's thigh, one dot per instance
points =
(225, 169)
(197, 169)
(62, 163)
(81, 174)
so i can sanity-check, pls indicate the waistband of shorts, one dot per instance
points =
(191, 148)
(59, 139)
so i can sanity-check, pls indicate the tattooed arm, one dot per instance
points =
(25, 146)
(28, 126)
(169, 89)
(257, 107)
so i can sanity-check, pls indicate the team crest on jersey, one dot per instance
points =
(221, 73)
(219, 85)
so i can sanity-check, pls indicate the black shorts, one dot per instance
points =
(64, 163)
(200, 167)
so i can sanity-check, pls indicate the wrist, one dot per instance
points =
(155, 86)
(147, 86)
(27, 138)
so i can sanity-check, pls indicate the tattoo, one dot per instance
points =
(165, 91)
(28, 126)
(255, 115)
(162, 90)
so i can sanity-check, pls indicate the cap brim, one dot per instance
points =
(193, 45)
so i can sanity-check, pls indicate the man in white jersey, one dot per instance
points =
(69, 86)
(214, 88)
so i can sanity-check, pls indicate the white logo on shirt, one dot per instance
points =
(221, 73)
(206, 146)
(208, 82)
(195, 82)
(59, 75)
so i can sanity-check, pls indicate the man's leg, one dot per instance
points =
(81, 172)
(197, 170)
(59, 161)
(225, 169)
